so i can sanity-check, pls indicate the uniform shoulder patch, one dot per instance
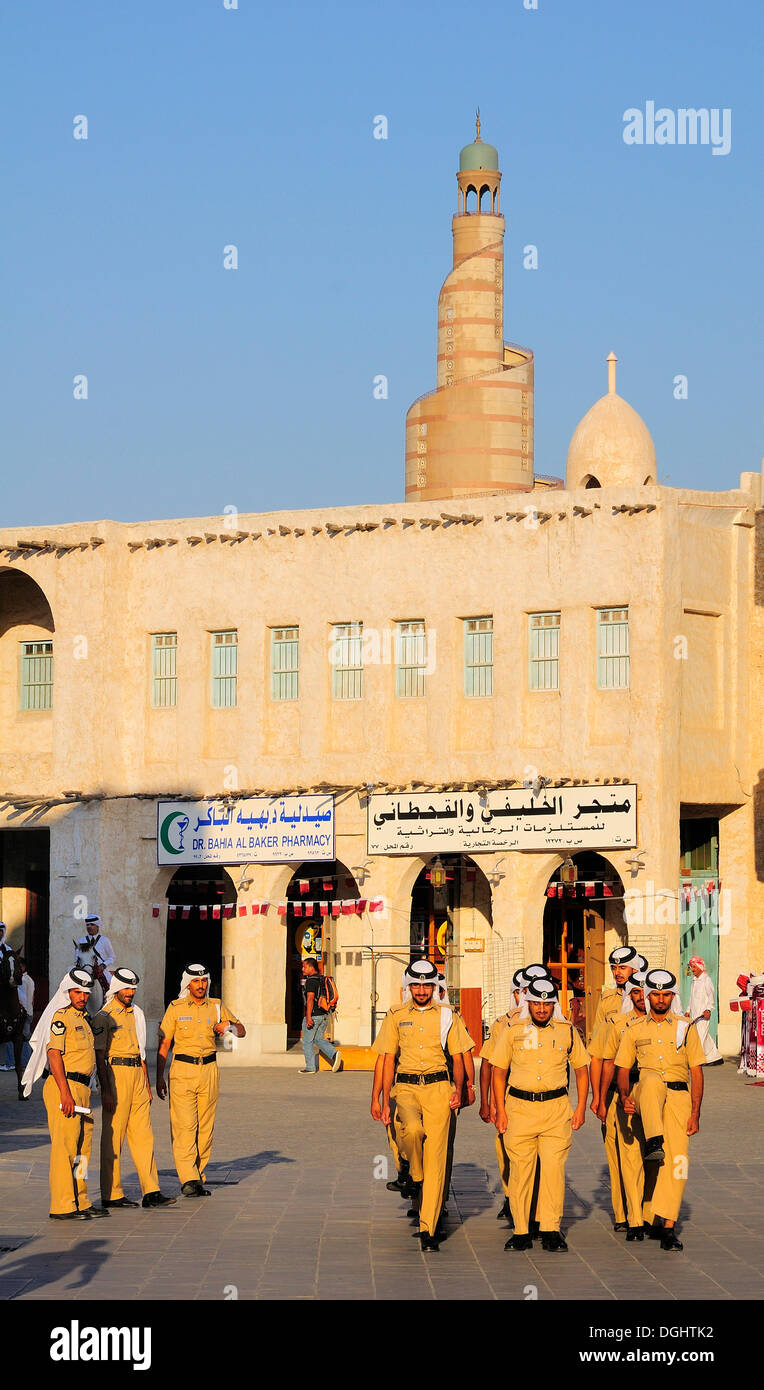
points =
(58, 1027)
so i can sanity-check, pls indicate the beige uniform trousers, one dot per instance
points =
(537, 1129)
(624, 1160)
(423, 1121)
(392, 1137)
(193, 1101)
(502, 1158)
(70, 1145)
(131, 1120)
(665, 1112)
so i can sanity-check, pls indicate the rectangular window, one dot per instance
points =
(544, 651)
(410, 658)
(612, 648)
(164, 670)
(36, 675)
(285, 662)
(347, 661)
(478, 656)
(225, 665)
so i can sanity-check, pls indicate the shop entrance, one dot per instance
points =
(699, 906)
(451, 926)
(25, 902)
(197, 899)
(314, 898)
(574, 933)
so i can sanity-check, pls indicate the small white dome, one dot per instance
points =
(611, 446)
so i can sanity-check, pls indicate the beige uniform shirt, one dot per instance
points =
(489, 1046)
(604, 1043)
(537, 1057)
(71, 1034)
(114, 1031)
(652, 1045)
(609, 1004)
(190, 1025)
(413, 1035)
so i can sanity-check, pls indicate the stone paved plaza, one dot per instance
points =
(298, 1210)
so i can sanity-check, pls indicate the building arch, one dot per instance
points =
(309, 931)
(589, 481)
(199, 899)
(578, 916)
(26, 646)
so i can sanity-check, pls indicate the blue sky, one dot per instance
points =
(209, 127)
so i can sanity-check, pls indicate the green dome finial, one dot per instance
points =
(478, 155)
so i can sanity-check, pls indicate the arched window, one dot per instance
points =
(591, 481)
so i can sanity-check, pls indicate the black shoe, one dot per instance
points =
(194, 1189)
(158, 1199)
(654, 1232)
(68, 1216)
(654, 1152)
(552, 1240)
(621, 1226)
(397, 1185)
(504, 1213)
(428, 1242)
(90, 1212)
(411, 1189)
(202, 1191)
(519, 1243)
(635, 1233)
(533, 1230)
(669, 1241)
(118, 1202)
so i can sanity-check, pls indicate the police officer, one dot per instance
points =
(621, 1133)
(417, 1035)
(190, 1025)
(487, 1112)
(669, 1054)
(64, 1038)
(534, 1112)
(119, 1031)
(624, 960)
(94, 952)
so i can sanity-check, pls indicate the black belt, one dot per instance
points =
(195, 1061)
(420, 1079)
(81, 1076)
(125, 1061)
(676, 1085)
(538, 1095)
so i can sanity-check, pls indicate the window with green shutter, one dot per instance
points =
(544, 651)
(164, 670)
(612, 648)
(285, 663)
(410, 658)
(478, 656)
(347, 661)
(225, 665)
(36, 683)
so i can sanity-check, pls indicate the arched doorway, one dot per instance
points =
(574, 932)
(197, 899)
(314, 896)
(451, 925)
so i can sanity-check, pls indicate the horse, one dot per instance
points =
(12, 1015)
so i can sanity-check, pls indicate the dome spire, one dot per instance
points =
(611, 361)
(477, 125)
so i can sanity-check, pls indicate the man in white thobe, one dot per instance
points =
(702, 999)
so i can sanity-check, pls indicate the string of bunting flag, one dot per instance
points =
(333, 908)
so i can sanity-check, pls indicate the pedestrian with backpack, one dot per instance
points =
(320, 997)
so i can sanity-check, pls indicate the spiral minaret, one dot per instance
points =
(473, 434)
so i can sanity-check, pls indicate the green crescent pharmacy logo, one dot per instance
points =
(175, 825)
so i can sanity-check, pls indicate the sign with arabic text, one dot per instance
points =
(254, 830)
(559, 818)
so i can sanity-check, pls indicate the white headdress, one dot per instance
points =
(421, 972)
(540, 989)
(635, 981)
(123, 978)
(76, 979)
(664, 980)
(193, 972)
